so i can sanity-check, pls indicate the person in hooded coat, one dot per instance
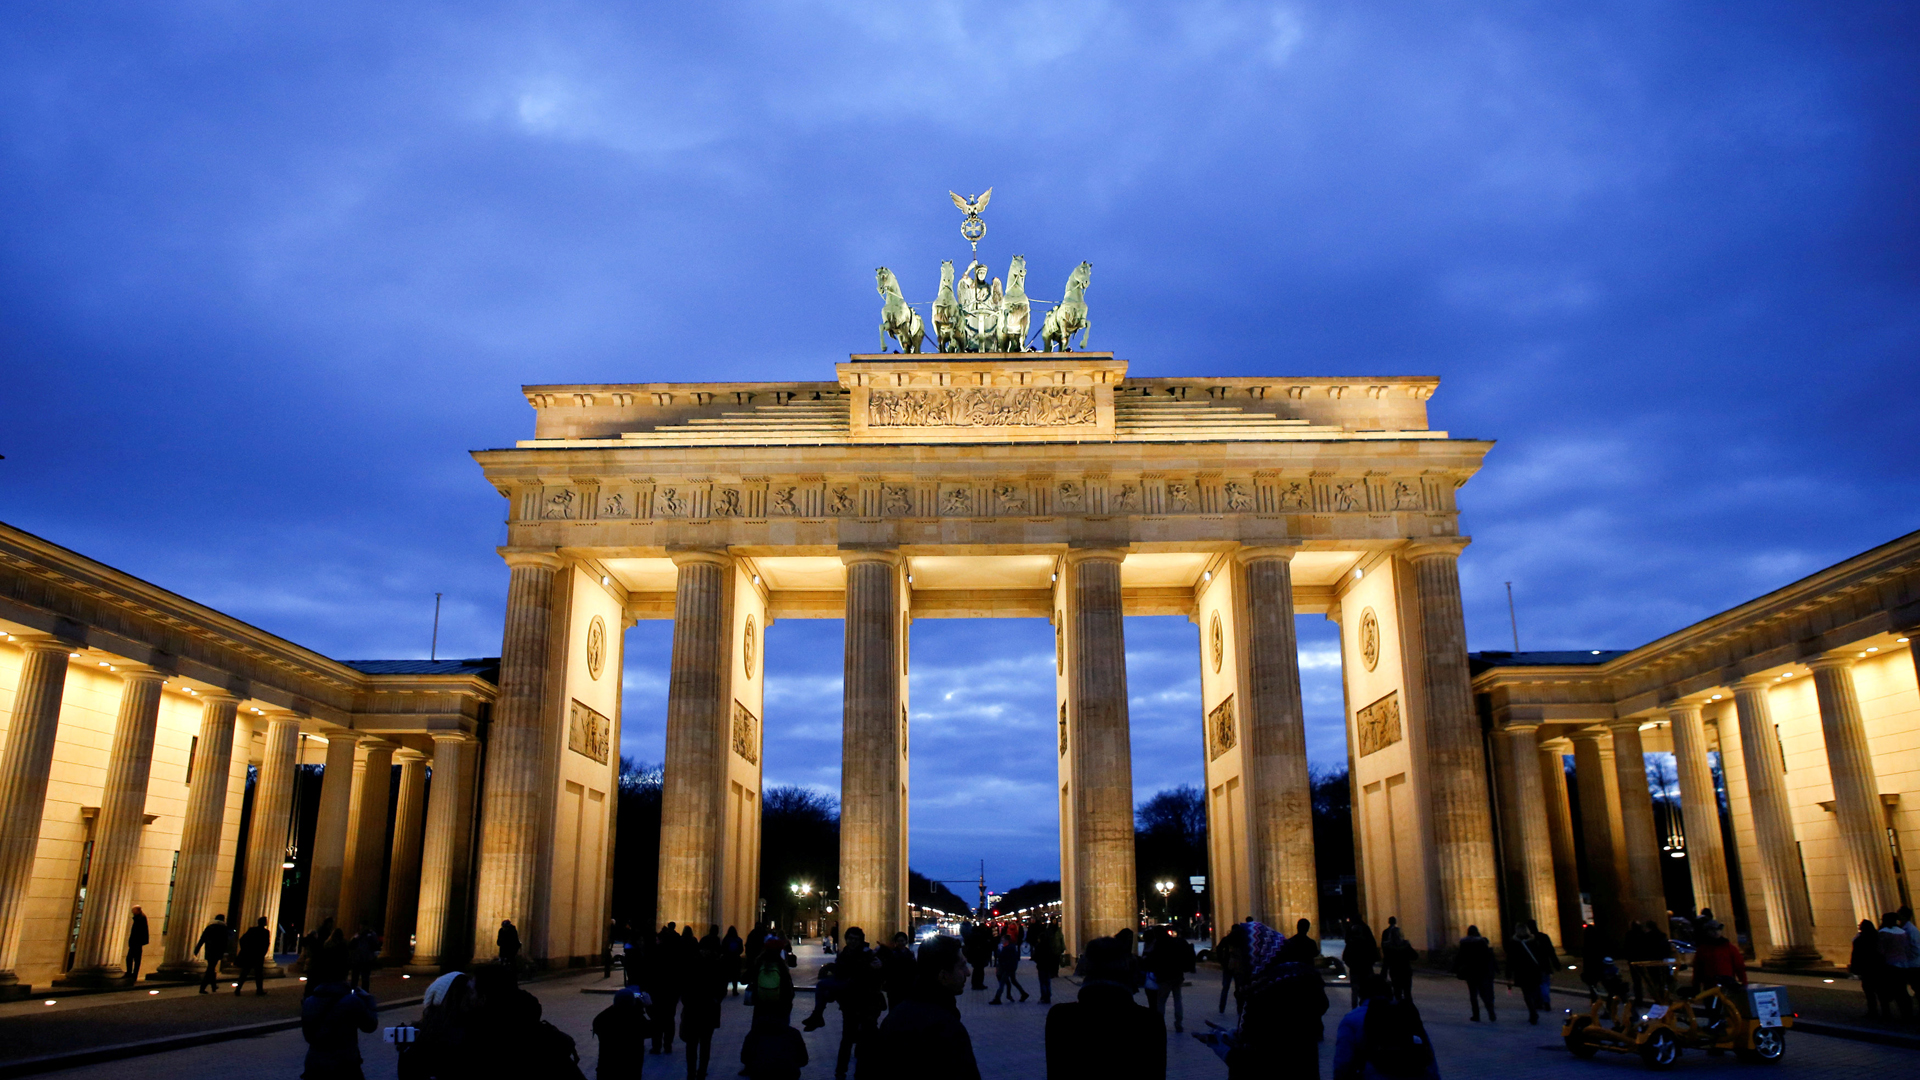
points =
(923, 1037)
(1360, 954)
(1475, 965)
(1280, 1029)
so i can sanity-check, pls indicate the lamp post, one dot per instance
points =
(1165, 889)
(801, 891)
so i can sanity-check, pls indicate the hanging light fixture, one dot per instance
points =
(292, 858)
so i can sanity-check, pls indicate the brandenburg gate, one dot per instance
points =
(984, 485)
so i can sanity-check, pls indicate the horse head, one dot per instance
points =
(1016, 272)
(887, 283)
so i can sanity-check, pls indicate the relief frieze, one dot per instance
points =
(1379, 724)
(983, 406)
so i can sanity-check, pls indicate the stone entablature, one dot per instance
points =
(1361, 407)
(47, 589)
(1870, 597)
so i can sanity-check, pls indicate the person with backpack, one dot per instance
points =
(332, 1015)
(214, 939)
(1383, 1039)
(252, 958)
(1531, 963)
(1397, 955)
(1049, 946)
(770, 982)
(704, 988)
(1360, 954)
(1280, 1026)
(621, 1030)
(1474, 965)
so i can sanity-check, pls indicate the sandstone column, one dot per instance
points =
(360, 895)
(1592, 760)
(699, 708)
(1103, 758)
(1700, 810)
(1789, 912)
(449, 833)
(1531, 831)
(1645, 895)
(267, 837)
(872, 830)
(1455, 768)
(517, 791)
(1566, 861)
(403, 879)
(1286, 884)
(23, 783)
(1856, 792)
(100, 951)
(194, 904)
(327, 868)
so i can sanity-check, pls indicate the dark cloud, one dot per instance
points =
(269, 271)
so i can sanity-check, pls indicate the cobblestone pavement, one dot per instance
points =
(1008, 1042)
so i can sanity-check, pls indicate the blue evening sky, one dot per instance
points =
(269, 270)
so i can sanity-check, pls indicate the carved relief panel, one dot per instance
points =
(588, 733)
(1220, 729)
(1379, 724)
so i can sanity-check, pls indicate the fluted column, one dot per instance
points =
(360, 896)
(403, 879)
(327, 868)
(1700, 811)
(443, 862)
(267, 837)
(1286, 884)
(1101, 746)
(1530, 829)
(1789, 911)
(516, 787)
(699, 699)
(1856, 792)
(1646, 892)
(872, 832)
(1455, 767)
(1559, 821)
(1592, 761)
(23, 782)
(194, 904)
(100, 950)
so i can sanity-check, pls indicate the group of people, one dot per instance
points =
(250, 950)
(1886, 960)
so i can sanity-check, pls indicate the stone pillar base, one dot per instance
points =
(15, 991)
(435, 970)
(1796, 956)
(95, 979)
(187, 972)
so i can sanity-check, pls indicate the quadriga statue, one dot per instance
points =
(896, 318)
(1070, 315)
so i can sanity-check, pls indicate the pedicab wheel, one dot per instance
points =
(1576, 1038)
(1660, 1050)
(1769, 1045)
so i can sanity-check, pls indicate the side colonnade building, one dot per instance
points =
(1798, 712)
(129, 720)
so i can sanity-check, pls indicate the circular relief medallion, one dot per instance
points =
(1219, 643)
(596, 647)
(1369, 639)
(1060, 643)
(749, 646)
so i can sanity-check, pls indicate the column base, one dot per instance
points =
(15, 992)
(102, 978)
(183, 971)
(1794, 957)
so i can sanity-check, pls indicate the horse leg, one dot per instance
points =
(1086, 325)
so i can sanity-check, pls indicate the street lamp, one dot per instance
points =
(801, 890)
(1165, 889)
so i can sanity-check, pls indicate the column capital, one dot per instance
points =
(409, 754)
(281, 716)
(1835, 660)
(216, 697)
(1625, 723)
(700, 557)
(376, 743)
(1683, 707)
(1559, 744)
(452, 737)
(1590, 734)
(1435, 546)
(1521, 727)
(1257, 552)
(544, 558)
(133, 671)
(1752, 683)
(851, 556)
(46, 643)
(1094, 554)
